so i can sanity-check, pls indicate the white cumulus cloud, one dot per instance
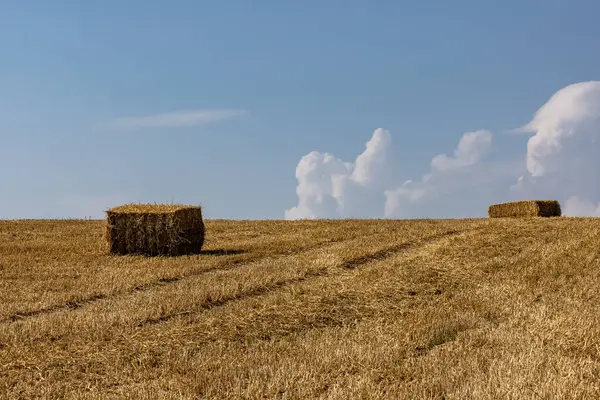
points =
(563, 155)
(331, 188)
(567, 121)
(449, 176)
(575, 206)
(561, 161)
(471, 148)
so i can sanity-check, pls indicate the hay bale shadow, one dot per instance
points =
(196, 252)
(222, 252)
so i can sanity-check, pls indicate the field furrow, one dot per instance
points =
(224, 265)
(69, 280)
(208, 290)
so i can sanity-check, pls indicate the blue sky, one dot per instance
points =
(85, 86)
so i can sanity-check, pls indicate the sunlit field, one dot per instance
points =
(377, 309)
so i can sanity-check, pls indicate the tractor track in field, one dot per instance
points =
(227, 265)
(353, 263)
(319, 322)
(259, 291)
(391, 250)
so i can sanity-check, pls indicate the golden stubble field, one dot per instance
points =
(373, 309)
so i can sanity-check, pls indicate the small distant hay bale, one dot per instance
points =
(155, 229)
(531, 208)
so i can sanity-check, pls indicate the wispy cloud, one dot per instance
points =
(176, 119)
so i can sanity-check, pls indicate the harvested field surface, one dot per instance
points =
(373, 309)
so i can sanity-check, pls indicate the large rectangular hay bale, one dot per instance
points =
(531, 208)
(155, 229)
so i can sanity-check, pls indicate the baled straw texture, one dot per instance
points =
(155, 229)
(531, 208)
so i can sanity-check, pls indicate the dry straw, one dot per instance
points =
(155, 229)
(532, 208)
